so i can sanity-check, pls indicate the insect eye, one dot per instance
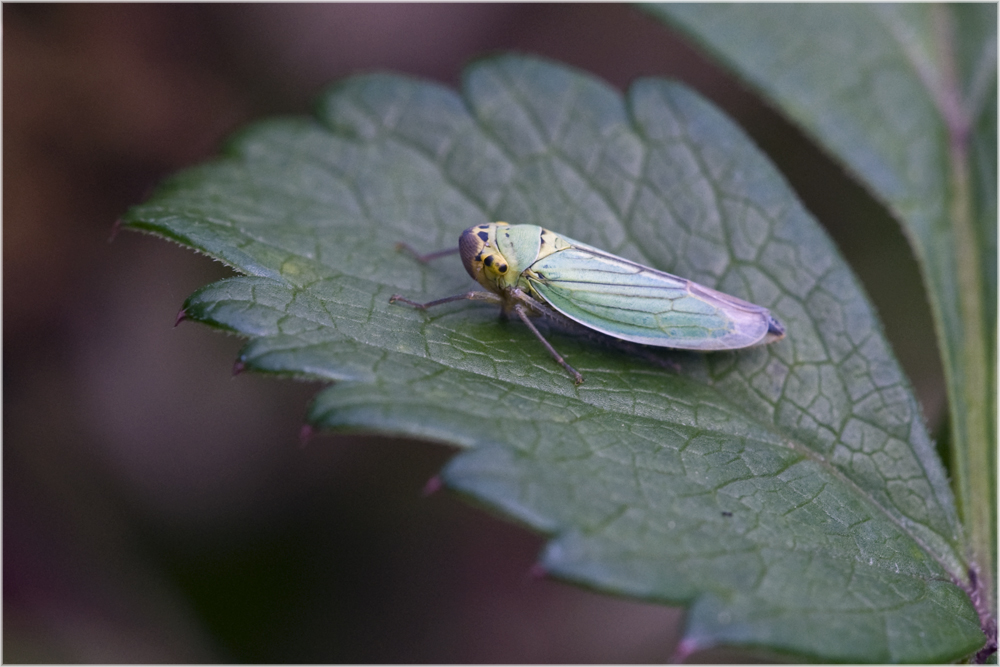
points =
(488, 261)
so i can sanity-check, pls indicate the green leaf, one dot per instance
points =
(788, 494)
(905, 96)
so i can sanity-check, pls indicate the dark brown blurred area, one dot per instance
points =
(157, 509)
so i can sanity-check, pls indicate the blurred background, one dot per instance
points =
(156, 509)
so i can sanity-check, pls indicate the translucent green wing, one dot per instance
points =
(639, 304)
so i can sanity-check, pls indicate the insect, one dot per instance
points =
(530, 270)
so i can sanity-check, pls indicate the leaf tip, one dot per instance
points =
(181, 316)
(305, 433)
(538, 571)
(433, 485)
(239, 367)
(114, 230)
(684, 651)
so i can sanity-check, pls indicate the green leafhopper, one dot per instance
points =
(530, 270)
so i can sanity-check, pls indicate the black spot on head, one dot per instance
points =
(484, 236)
(727, 514)
(501, 268)
(488, 261)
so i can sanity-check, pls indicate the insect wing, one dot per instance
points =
(639, 304)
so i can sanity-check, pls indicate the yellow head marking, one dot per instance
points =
(484, 262)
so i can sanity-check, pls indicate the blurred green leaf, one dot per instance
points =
(788, 494)
(905, 96)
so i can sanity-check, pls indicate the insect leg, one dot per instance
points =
(520, 310)
(423, 259)
(542, 309)
(475, 296)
